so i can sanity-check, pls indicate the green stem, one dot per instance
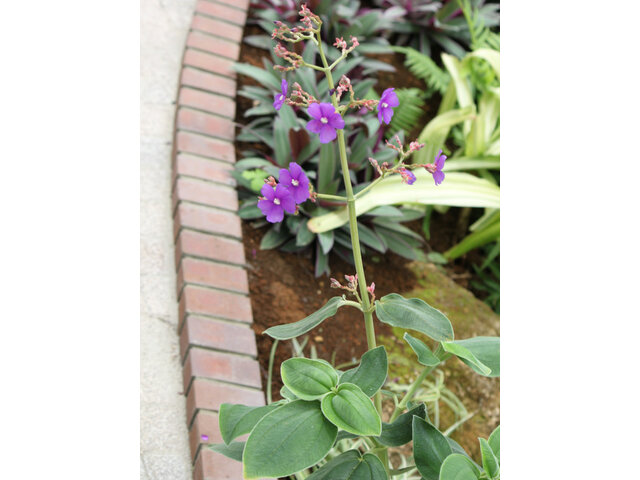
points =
(409, 395)
(355, 241)
(325, 196)
(272, 356)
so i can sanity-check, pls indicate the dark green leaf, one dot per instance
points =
(350, 409)
(292, 330)
(414, 314)
(485, 351)
(400, 431)
(371, 374)
(233, 450)
(304, 236)
(281, 142)
(322, 261)
(351, 466)
(261, 75)
(430, 448)
(368, 237)
(250, 212)
(424, 353)
(293, 437)
(236, 420)
(468, 357)
(273, 238)
(308, 379)
(326, 241)
(458, 467)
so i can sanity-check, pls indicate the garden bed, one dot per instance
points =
(283, 289)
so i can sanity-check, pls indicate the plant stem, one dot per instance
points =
(272, 356)
(355, 240)
(410, 393)
(325, 196)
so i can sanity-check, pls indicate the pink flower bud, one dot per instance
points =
(371, 288)
(204, 438)
(335, 283)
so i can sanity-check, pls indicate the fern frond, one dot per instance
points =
(424, 68)
(407, 115)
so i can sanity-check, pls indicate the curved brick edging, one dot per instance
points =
(217, 345)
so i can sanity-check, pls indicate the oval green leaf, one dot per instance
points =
(414, 314)
(287, 440)
(424, 353)
(292, 330)
(351, 466)
(371, 374)
(400, 431)
(489, 460)
(233, 450)
(430, 448)
(350, 409)
(308, 379)
(458, 467)
(236, 420)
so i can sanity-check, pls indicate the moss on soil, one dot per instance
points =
(470, 317)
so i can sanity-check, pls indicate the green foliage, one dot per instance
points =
(371, 374)
(351, 465)
(350, 409)
(430, 448)
(308, 379)
(292, 330)
(233, 450)
(400, 431)
(414, 314)
(236, 420)
(480, 353)
(425, 355)
(458, 467)
(291, 438)
(424, 68)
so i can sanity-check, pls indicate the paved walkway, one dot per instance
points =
(164, 441)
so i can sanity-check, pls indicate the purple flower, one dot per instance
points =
(325, 121)
(278, 98)
(438, 174)
(407, 176)
(387, 100)
(276, 202)
(296, 181)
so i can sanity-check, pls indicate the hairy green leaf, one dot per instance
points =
(233, 450)
(236, 420)
(458, 467)
(371, 374)
(424, 353)
(308, 379)
(430, 448)
(351, 465)
(350, 409)
(400, 431)
(292, 330)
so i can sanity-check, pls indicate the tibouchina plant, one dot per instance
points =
(323, 406)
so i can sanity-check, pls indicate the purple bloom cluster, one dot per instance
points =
(293, 189)
(278, 98)
(407, 176)
(387, 100)
(325, 121)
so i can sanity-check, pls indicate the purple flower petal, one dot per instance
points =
(315, 111)
(440, 160)
(327, 109)
(438, 176)
(314, 126)
(336, 121)
(267, 192)
(284, 86)
(284, 177)
(301, 194)
(288, 203)
(327, 133)
(387, 113)
(265, 206)
(295, 170)
(380, 116)
(276, 214)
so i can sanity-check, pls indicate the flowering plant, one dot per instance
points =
(322, 405)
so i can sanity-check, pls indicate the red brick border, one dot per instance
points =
(217, 345)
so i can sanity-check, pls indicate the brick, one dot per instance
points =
(217, 275)
(206, 124)
(212, 333)
(214, 466)
(243, 4)
(206, 219)
(209, 395)
(208, 246)
(198, 191)
(208, 62)
(208, 43)
(203, 168)
(217, 28)
(205, 423)
(205, 146)
(227, 367)
(217, 104)
(222, 12)
(215, 303)
(208, 81)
